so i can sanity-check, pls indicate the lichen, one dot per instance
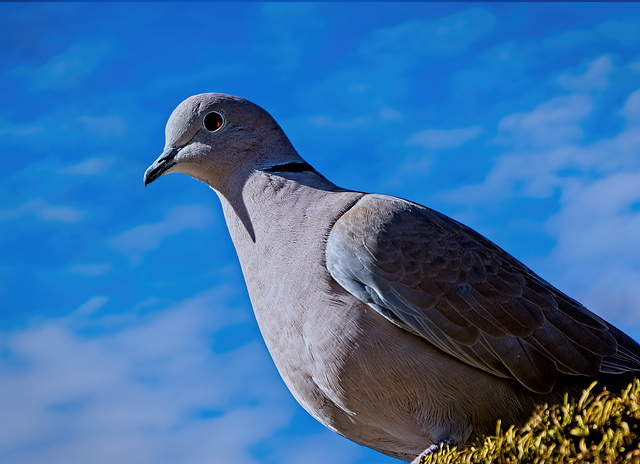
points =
(602, 428)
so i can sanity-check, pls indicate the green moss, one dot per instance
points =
(600, 429)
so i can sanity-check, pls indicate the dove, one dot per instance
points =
(390, 323)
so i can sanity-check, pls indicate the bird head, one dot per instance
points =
(215, 138)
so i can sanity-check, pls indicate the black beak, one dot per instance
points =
(160, 166)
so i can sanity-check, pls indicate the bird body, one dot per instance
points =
(390, 323)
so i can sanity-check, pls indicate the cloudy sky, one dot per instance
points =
(126, 334)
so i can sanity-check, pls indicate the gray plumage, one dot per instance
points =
(390, 323)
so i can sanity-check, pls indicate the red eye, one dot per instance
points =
(213, 121)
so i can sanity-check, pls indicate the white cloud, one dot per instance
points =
(319, 449)
(443, 139)
(612, 293)
(111, 125)
(568, 39)
(595, 77)
(90, 270)
(141, 239)
(45, 211)
(139, 392)
(369, 90)
(67, 68)
(90, 166)
(596, 186)
(597, 231)
(527, 173)
(91, 306)
(389, 114)
(625, 31)
(550, 124)
(418, 37)
(328, 122)
(631, 108)
(27, 129)
(598, 219)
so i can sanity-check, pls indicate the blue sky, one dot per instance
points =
(126, 334)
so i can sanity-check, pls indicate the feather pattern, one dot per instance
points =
(446, 283)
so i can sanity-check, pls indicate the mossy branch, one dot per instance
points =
(594, 429)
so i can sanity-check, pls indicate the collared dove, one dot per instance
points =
(390, 323)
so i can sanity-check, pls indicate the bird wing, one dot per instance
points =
(444, 282)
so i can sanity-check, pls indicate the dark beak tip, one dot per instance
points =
(161, 165)
(147, 178)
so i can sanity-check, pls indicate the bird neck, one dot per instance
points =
(275, 195)
(279, 223)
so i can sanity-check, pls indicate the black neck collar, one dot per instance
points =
(295, 166)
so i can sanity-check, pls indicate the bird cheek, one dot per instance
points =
(191, 153)
(194, 159)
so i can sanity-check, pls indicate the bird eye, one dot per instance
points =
(213, 121)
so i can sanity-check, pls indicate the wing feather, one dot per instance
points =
(444, 282)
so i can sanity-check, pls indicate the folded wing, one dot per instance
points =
(444, 282)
